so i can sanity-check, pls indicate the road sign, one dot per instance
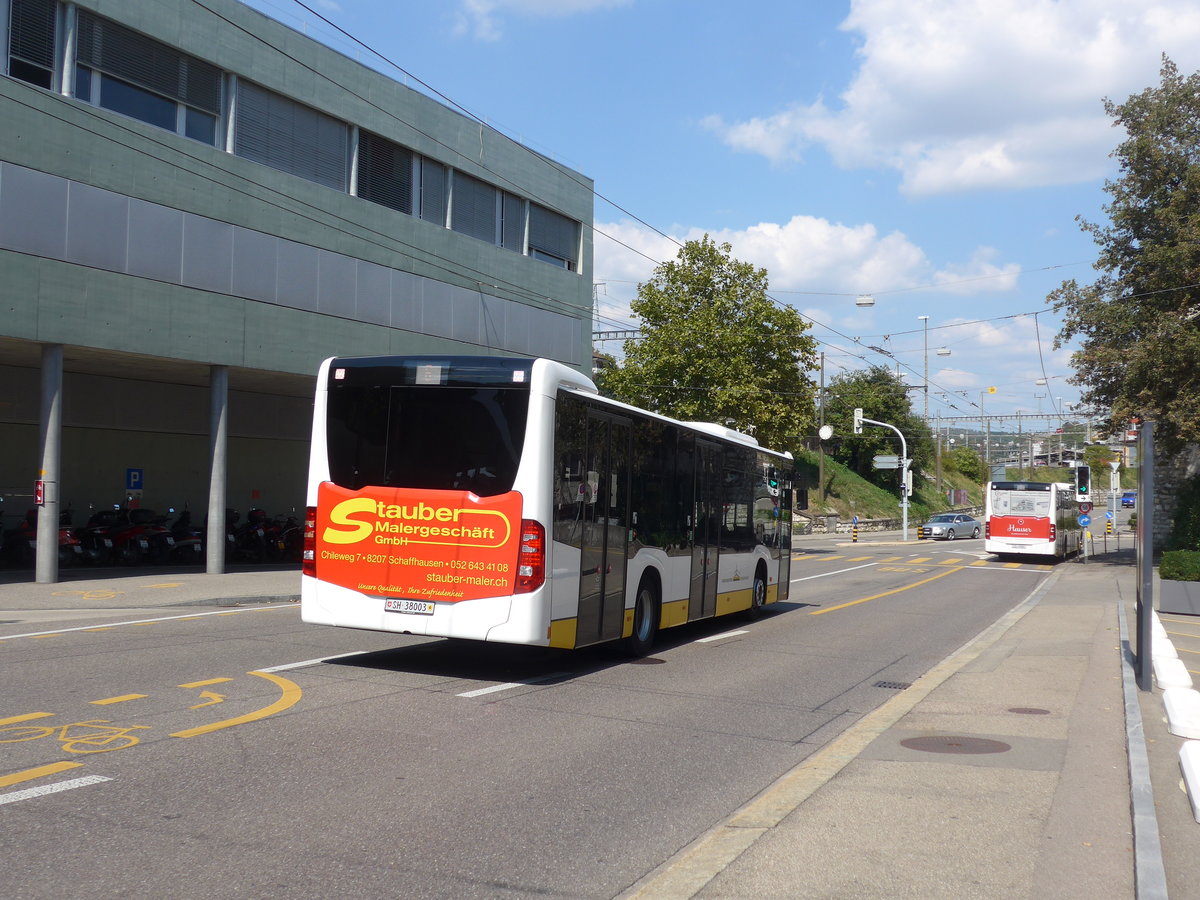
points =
(1109, 514)
(134, 479)
(886, 462)
(1085, 521)
(1085, 507)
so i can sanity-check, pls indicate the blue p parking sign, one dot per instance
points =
(134, 479)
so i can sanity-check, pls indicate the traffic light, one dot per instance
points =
(858, 421)
(1083, 483)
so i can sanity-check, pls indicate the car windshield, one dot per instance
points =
(942, 519)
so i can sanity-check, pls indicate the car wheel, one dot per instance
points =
(949, 534)
(975, 533)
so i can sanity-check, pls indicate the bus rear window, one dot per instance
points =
(435, 437)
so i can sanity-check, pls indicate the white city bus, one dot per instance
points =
(503, 499)
(1031, 518)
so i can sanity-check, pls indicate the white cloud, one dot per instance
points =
(977, 94)
(481, 19)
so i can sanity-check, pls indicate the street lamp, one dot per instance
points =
(925, 324)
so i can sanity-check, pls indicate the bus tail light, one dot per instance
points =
(308, 566)
(531, 558)
(1053, 532)
(987, 529)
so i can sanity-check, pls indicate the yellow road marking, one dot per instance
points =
(943, 574)
(210, 699)
(205, 683)
(980, 562)
(290, 697)
(857, 558)
(44, 636)
(921, 559)
(950, 562)
(1011, 565)
(104, 628)
(143, 624)
(120, 699)
(13, 720)
(890, 559)
(39, 772)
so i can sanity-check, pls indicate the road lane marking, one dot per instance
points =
(31, 793)
(39, 772)
(303, 664)
(206, 682)
(122, 699)
(943, 574)
(720, 637)
(13, 720)
(289, 698)
(509, 685)
(58, 631)
(826, 574)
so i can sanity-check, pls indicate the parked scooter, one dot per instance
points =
(141, 538)
(187, 539)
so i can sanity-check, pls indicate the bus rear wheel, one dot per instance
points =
(645, 620)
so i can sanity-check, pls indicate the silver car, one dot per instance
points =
(948, 526)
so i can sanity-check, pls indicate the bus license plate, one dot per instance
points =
(413, 607)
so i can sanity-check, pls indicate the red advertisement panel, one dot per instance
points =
(1020, 527)
(428, 545)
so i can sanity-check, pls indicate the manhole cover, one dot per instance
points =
(954, 744)
(1029, 711)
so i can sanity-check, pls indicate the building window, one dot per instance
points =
(31, 41)
(291, 137)
(126, 72)
(553, 238)
(473, 208)
(385, 172)
(512, 222)
(433, 191)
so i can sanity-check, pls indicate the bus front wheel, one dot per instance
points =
(758, 594)
(645, 620)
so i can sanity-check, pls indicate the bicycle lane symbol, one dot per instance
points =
(104, 736)
(91, 736)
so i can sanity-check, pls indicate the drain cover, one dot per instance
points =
(955, 744)
(894, 685)
(1029, 711)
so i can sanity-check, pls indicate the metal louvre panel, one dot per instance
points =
(123, 53)
(553, 233)
(31, 32)
(474, 208)
(384, 172)
(291, 137)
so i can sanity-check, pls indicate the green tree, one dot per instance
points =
(1140, 348)
(716, 348)
(881, 396)
(967, 461)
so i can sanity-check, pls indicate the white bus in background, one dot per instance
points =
(503, 499)
(1031, 518)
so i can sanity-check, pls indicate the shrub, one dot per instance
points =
(1180, 565)
(1185, 531)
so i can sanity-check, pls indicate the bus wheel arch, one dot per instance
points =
(647, 612)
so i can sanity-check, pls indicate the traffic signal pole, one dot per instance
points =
(859, 421)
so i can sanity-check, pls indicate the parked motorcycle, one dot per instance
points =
(187, 539)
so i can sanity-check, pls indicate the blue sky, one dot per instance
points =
(932, 153)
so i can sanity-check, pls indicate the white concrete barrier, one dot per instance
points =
(1189, 764)
(1170, 672)
(1183, 712)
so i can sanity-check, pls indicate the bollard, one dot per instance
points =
(854, 534)
(1108, 527)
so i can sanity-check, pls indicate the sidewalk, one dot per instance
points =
(1003, 772)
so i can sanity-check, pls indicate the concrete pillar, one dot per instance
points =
(218, 447)
(51, 448)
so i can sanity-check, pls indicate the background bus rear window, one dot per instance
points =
(435, 437)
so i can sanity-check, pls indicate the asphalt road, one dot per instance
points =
(240, 753)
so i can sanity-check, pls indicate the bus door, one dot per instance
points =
(605, 530)
(706, 530)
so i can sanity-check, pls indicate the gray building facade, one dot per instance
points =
(197, 205)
